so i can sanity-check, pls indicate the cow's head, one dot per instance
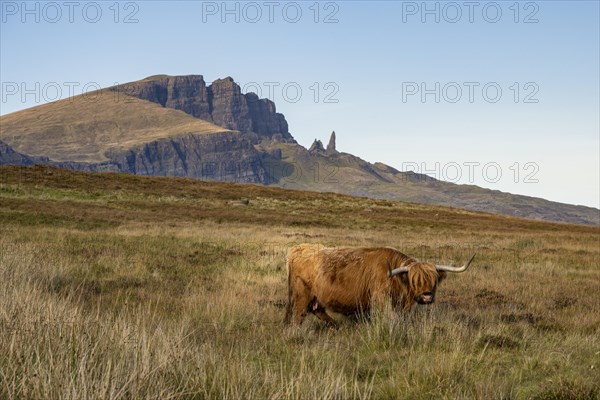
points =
(422, 279)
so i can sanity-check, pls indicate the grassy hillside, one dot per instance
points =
(348, 174)
(117, 287)
(84, 127)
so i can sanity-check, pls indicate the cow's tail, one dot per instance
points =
(288, 310)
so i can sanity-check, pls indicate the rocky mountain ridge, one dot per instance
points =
(179, 126)
(221, 103)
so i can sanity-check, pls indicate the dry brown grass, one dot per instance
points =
(115, 286)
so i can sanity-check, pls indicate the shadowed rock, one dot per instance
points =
(316, 147)
(221, 103)
(331, 145)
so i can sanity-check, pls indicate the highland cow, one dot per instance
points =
(354, 280)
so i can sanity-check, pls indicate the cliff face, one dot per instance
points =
(228, 157)
(8, 155)
(265, 121)
(221, 103)
(229, 106)
(187, 93)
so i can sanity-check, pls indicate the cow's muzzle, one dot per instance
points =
(425, 298)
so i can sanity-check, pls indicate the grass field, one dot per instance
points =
(125, 287)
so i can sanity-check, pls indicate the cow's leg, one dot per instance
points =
(301, 299)
(381, 304)
(290, 304)
(320, 312)
(380, 300)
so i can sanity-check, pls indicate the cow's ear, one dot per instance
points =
(442, 275)
(404, 277)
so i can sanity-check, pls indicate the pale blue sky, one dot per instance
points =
(371, 54)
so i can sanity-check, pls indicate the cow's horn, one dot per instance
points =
(451, 268)
(396, 271)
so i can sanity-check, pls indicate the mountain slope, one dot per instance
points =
(84, 127)
(332, 171)
(180, 126)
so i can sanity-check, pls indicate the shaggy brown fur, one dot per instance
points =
(352, 280)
